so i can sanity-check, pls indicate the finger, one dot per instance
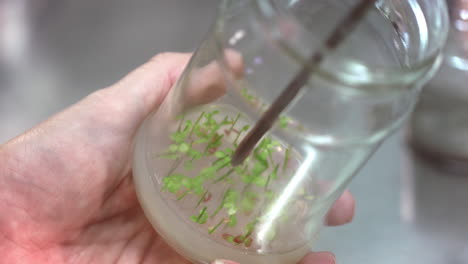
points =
(342, 212)
(319, 258)
(211, 81)
(221, 261)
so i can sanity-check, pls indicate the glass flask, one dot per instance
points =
(439, 126)
(270, 208)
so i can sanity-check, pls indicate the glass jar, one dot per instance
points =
(270, 208)
(439, 126)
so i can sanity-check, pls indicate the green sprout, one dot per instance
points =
(284, 121)
(213, 229)
(210, 139)
(202, 217)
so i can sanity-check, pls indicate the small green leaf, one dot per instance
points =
(208, 173)
(221, 165)
(274, 174)
(247, 178)
(259, 168)
(201, 140)
(188, 125)
(275, 143)
(186, 182)
(178, 137)
(228, 151)
(248, 202)
(217, 142)
(202, 217)
(269, 195)
(260, 181)
(173, 148)
(220, 154)
(229, 201)
(173, 182)
(184, 148)
(250, 227)
(232, 220)
(239, 170)
(196, 185)
(194, 154)
(284, 121)
(287, 156)
(229, 238)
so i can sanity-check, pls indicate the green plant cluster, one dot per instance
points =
(214, 137)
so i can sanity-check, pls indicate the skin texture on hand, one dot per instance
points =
(66, 190)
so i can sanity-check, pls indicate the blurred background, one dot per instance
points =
(54, 52)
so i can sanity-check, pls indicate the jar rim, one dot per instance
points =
(388, 75)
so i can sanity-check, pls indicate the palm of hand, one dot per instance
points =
(73, 198)
(66, 191)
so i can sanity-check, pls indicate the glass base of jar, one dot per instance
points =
(450, 163)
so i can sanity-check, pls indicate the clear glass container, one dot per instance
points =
(270, 208)
(439, 126)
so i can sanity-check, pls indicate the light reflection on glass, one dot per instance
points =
(280, 204)
(14, 31)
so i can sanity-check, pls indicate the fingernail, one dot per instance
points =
(319, 258)
(221, 261)
(330, 257)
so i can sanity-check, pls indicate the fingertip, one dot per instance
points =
(319, 258)
(222, 261)
(235, 62)
(342, 212)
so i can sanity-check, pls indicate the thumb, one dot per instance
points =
(145, 88)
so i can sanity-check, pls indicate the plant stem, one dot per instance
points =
(237, 138)
(235, 121)
(269, 177)
(287, 155)
(203, 211)
(201, 199)
(224, 165)
(222, 203)
(225, 175)
(196, 124)
(174, 166)
(212, 230)
(183, 195)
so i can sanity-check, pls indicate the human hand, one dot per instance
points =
(66, 190)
